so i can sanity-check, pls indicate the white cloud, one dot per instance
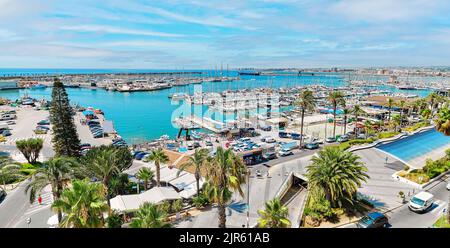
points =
(216, 20)
(385, 10)
(116, 30)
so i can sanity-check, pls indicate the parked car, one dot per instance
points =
(258, 173)
(140, 155)
(330, 139)
(448, 186)
(285, 152)
(361, 136)
(266, 128)
(270, 140)
(10, 122)
(296, 136)
(421, 202)
(283, 135)
(5, 133)
(44, 122)
(40, 131)
(190, 146)
(8, 117)
(10, 112)
(318, 141)
(42, 127)
(269, 155)
(2, 195)
(373, 220)
(312, 145)
(343, 138)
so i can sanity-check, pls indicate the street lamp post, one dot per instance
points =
(28, 222)
(248, 198)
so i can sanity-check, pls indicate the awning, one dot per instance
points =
(183, 181)
(131, 203)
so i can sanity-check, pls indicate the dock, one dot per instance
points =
(206, 123)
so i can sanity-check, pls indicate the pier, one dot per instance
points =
(194, 122)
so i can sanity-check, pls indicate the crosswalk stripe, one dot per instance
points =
(47, 200)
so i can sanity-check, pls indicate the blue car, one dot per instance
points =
(140, 155)
(373, 220)
(5, 133)
(44, 122)
(312, 146)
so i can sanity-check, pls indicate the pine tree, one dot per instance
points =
(65, 138)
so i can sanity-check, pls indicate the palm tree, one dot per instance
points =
(390, 104)
(380, 124)
(150, 216)
(197, 160)
(368, 127)
(30, 148)
(105, 162)
(306, 102)
(426, 114)
(118, 184)
(346, 112)
(432, 99)
(336, 173)
(396, 121)
(275, 215)
(57, 172)
(83, 205)
(159, 157)
(8, 170)
(401, 104)
(146, 175)
(357, 111)
(419, 105)
(225, 173)
(336, 98)
(443, 121)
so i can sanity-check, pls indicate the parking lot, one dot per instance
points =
(25, 124)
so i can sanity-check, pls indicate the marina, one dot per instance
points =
(155, 107)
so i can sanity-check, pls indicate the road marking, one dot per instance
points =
(47, 200)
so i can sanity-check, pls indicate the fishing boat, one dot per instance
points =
(38, 86)
(249, 73)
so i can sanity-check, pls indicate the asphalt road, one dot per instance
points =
(402, 217)
(16, 209)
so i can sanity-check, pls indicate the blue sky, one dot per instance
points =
(177, 34)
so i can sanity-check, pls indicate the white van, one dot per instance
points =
(421, 202)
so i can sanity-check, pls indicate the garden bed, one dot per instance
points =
(442, 222)
(432, 169)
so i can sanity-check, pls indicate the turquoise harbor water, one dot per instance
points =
(141, 116)
(416, 145)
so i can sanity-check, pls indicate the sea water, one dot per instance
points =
(140, 116)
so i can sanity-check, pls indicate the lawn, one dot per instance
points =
(442, 222)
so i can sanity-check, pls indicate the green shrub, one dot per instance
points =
(319, 209)
(417, 126)
(165, 206)
(386, 135)
(435, 168)
(200, 201)
(114, 220)
(177, 205)
(28, 166)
